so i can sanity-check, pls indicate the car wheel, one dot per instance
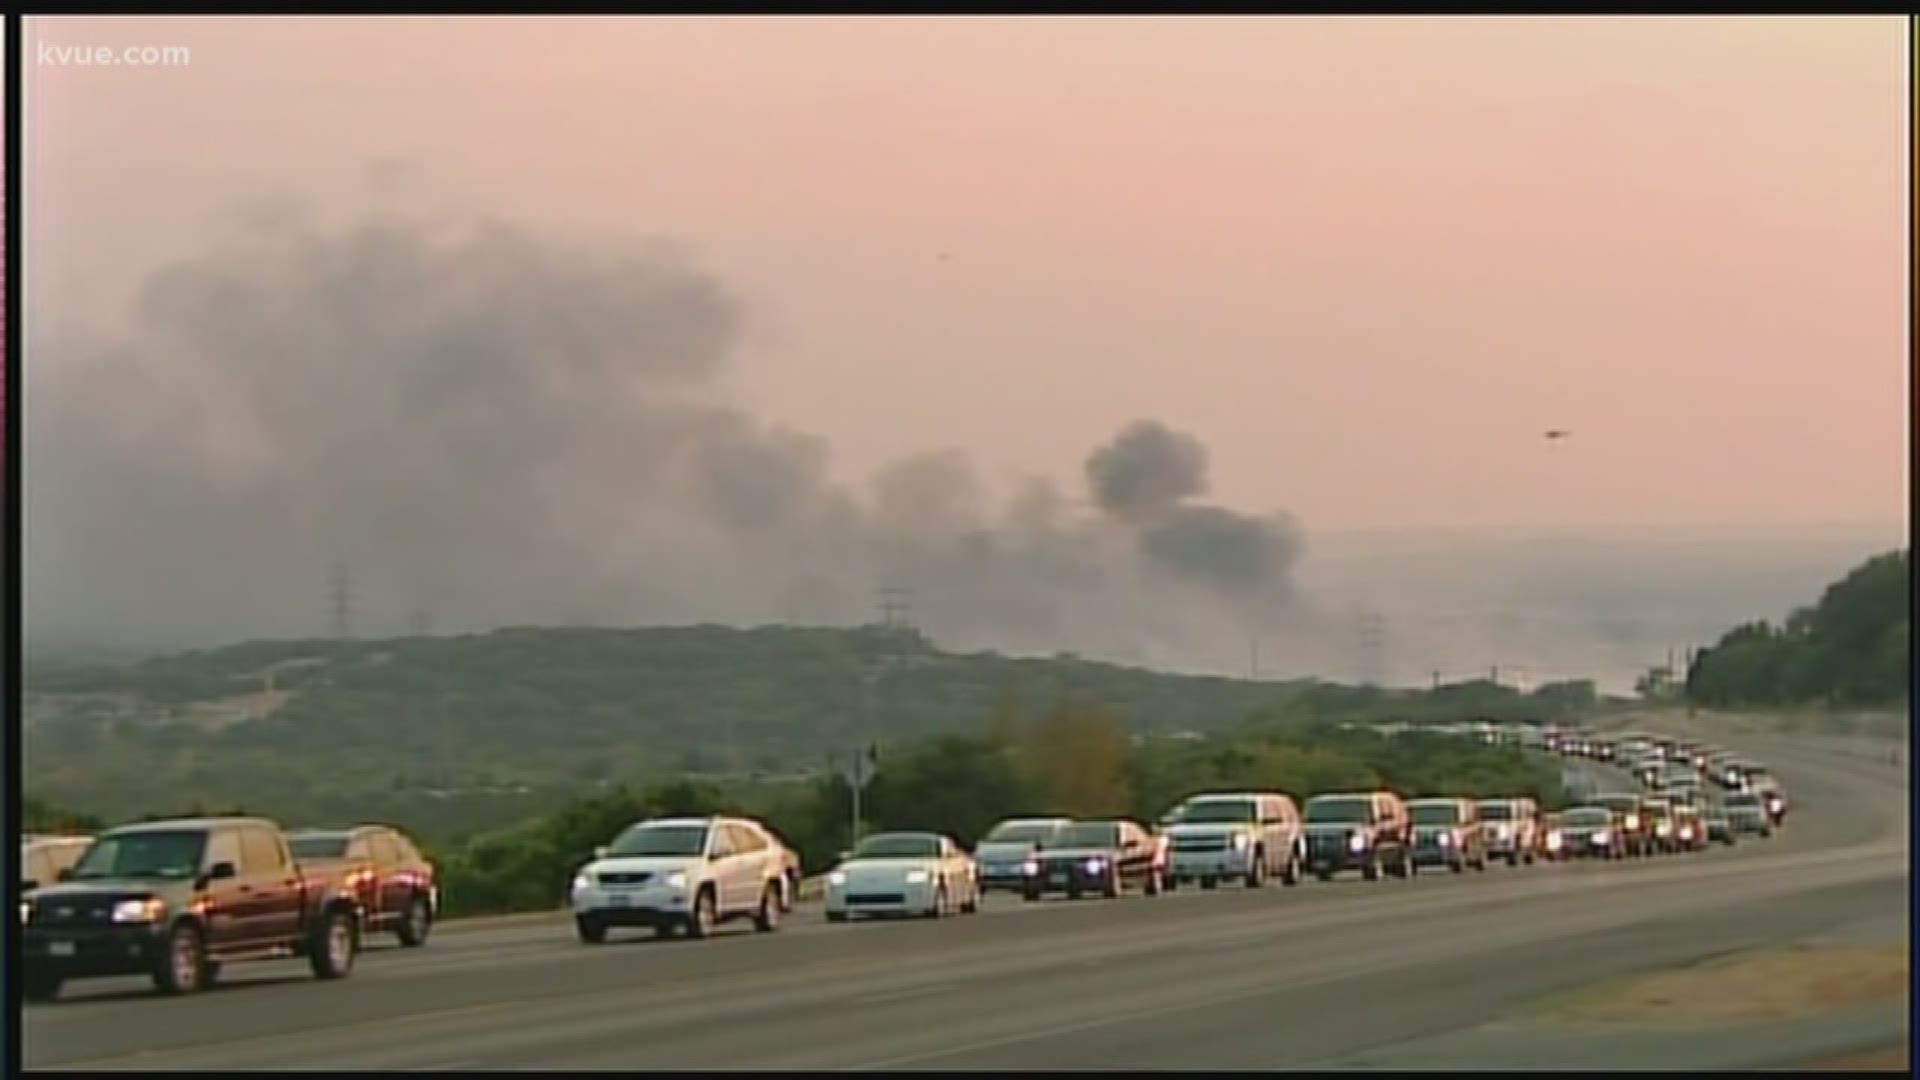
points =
(1291, 875)
(1457, 865)
(1257, 875)
(1480, 864)
(1209, 883)
(1154, 883)
(1030, 895)
(183, 965)
(331, 953)
(590, 929)
(1114, 885)
(1371, 871)
(700, 921)
(41, 986)
(939, 909)
(972, 904)
(836, 916)
(767, 919)
(1323, 875)
(416, 923)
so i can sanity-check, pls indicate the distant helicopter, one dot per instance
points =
(1556, 434)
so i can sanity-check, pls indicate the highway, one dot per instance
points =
(1325, 974)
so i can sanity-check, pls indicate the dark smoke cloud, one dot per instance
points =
(1146, 470)
(497, 429)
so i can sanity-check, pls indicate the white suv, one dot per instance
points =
(667, 873)
(1246, 836)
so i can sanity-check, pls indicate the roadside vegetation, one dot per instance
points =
(1072, 759)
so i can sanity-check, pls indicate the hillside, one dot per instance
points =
(458, 734)
(1852, 648)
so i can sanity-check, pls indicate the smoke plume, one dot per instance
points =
(497, 429)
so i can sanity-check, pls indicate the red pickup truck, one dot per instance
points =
(177, 899)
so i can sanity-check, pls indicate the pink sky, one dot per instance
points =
(1367, 261)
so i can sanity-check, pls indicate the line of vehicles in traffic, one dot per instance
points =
(176, 900)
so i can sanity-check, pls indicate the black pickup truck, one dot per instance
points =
(177, 899)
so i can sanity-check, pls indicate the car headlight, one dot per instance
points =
(916, 877)
(838, 877)
(1095, 865)
(139, 911)
(1357, 841)
(1633, 821)
(1241, 842)
(1030, 867)
(1553, 841)
(1445, 839)
(677, 879)
(1602, 837)
(26, 912)
(1503, 832)
(582, 880)
(1664, 829)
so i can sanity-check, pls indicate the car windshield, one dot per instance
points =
(898, 846)
(318, 846)
(1743, 800)
(1496, 811)
(1088, 835)
(1588, 816)
(1337, 811)
(682, 840)
(1218, 810)
(1019, 831)
(1619, 802)
(144, 854)
(1434, 813)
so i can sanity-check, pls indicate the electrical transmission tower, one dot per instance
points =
(340, 599)
(896, 607)
(1372, 627)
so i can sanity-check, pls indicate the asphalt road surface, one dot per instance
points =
(1319, 974)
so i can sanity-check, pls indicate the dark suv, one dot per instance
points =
(1366, 831)
(176, 899)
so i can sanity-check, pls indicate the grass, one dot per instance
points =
(1744, 987)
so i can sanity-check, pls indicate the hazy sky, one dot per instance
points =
(1366, 261)
(1099, 333)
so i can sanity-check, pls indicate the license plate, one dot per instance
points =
(59, 948)
(616, 900)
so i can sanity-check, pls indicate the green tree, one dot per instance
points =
(1077, 757)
